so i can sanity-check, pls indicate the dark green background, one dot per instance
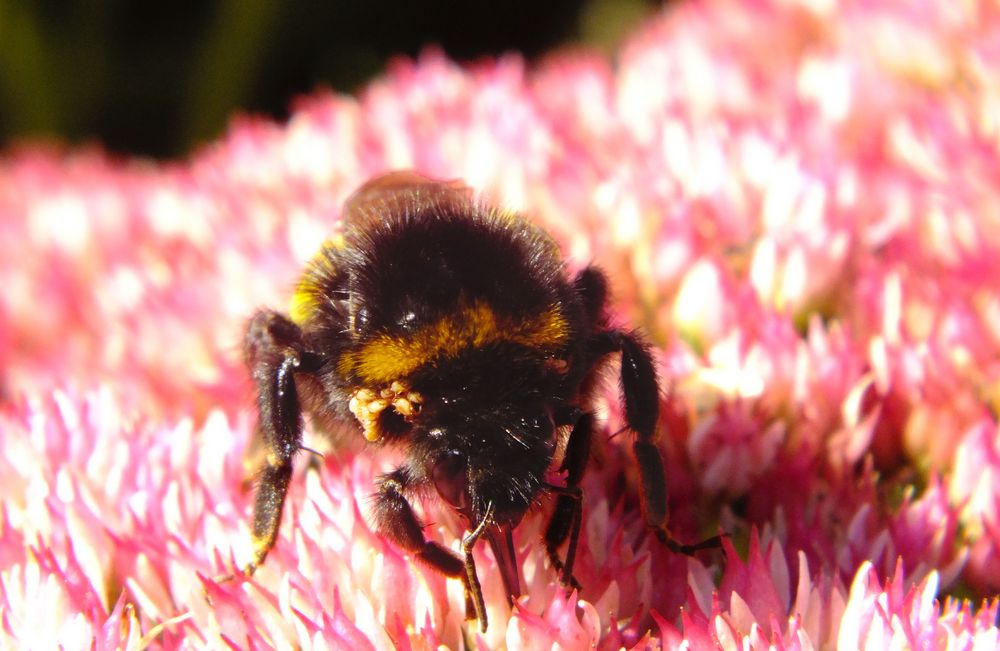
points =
(157, 79)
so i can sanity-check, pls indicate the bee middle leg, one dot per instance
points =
(568, 513)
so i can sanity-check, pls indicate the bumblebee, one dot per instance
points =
(451, 330)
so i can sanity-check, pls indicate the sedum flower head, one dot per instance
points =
(795, 200)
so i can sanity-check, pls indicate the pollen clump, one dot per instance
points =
(368, 404)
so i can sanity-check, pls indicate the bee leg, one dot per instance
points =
(501, 541)
(396, 521)
(471, 578)
(273, 349)
(592, 287)
(568, 513)
(641, 396)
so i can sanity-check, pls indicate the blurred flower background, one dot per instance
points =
(160, 79)
(797, 200)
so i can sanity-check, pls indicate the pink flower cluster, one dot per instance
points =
(797, 200)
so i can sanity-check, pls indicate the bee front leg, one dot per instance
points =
(472, 587)
(396, 521)
(273, 349)
(640, 392)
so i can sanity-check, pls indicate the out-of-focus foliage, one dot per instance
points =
(159, 79)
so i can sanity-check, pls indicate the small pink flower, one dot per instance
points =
(732, 448)
(976, 488)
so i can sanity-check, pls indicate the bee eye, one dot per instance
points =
(361, 317)
(409, 320)
(449, 479)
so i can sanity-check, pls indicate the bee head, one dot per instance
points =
(497, 458)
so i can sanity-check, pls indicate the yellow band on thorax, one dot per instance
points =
(388, 357)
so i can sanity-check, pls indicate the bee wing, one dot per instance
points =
(397, 191)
